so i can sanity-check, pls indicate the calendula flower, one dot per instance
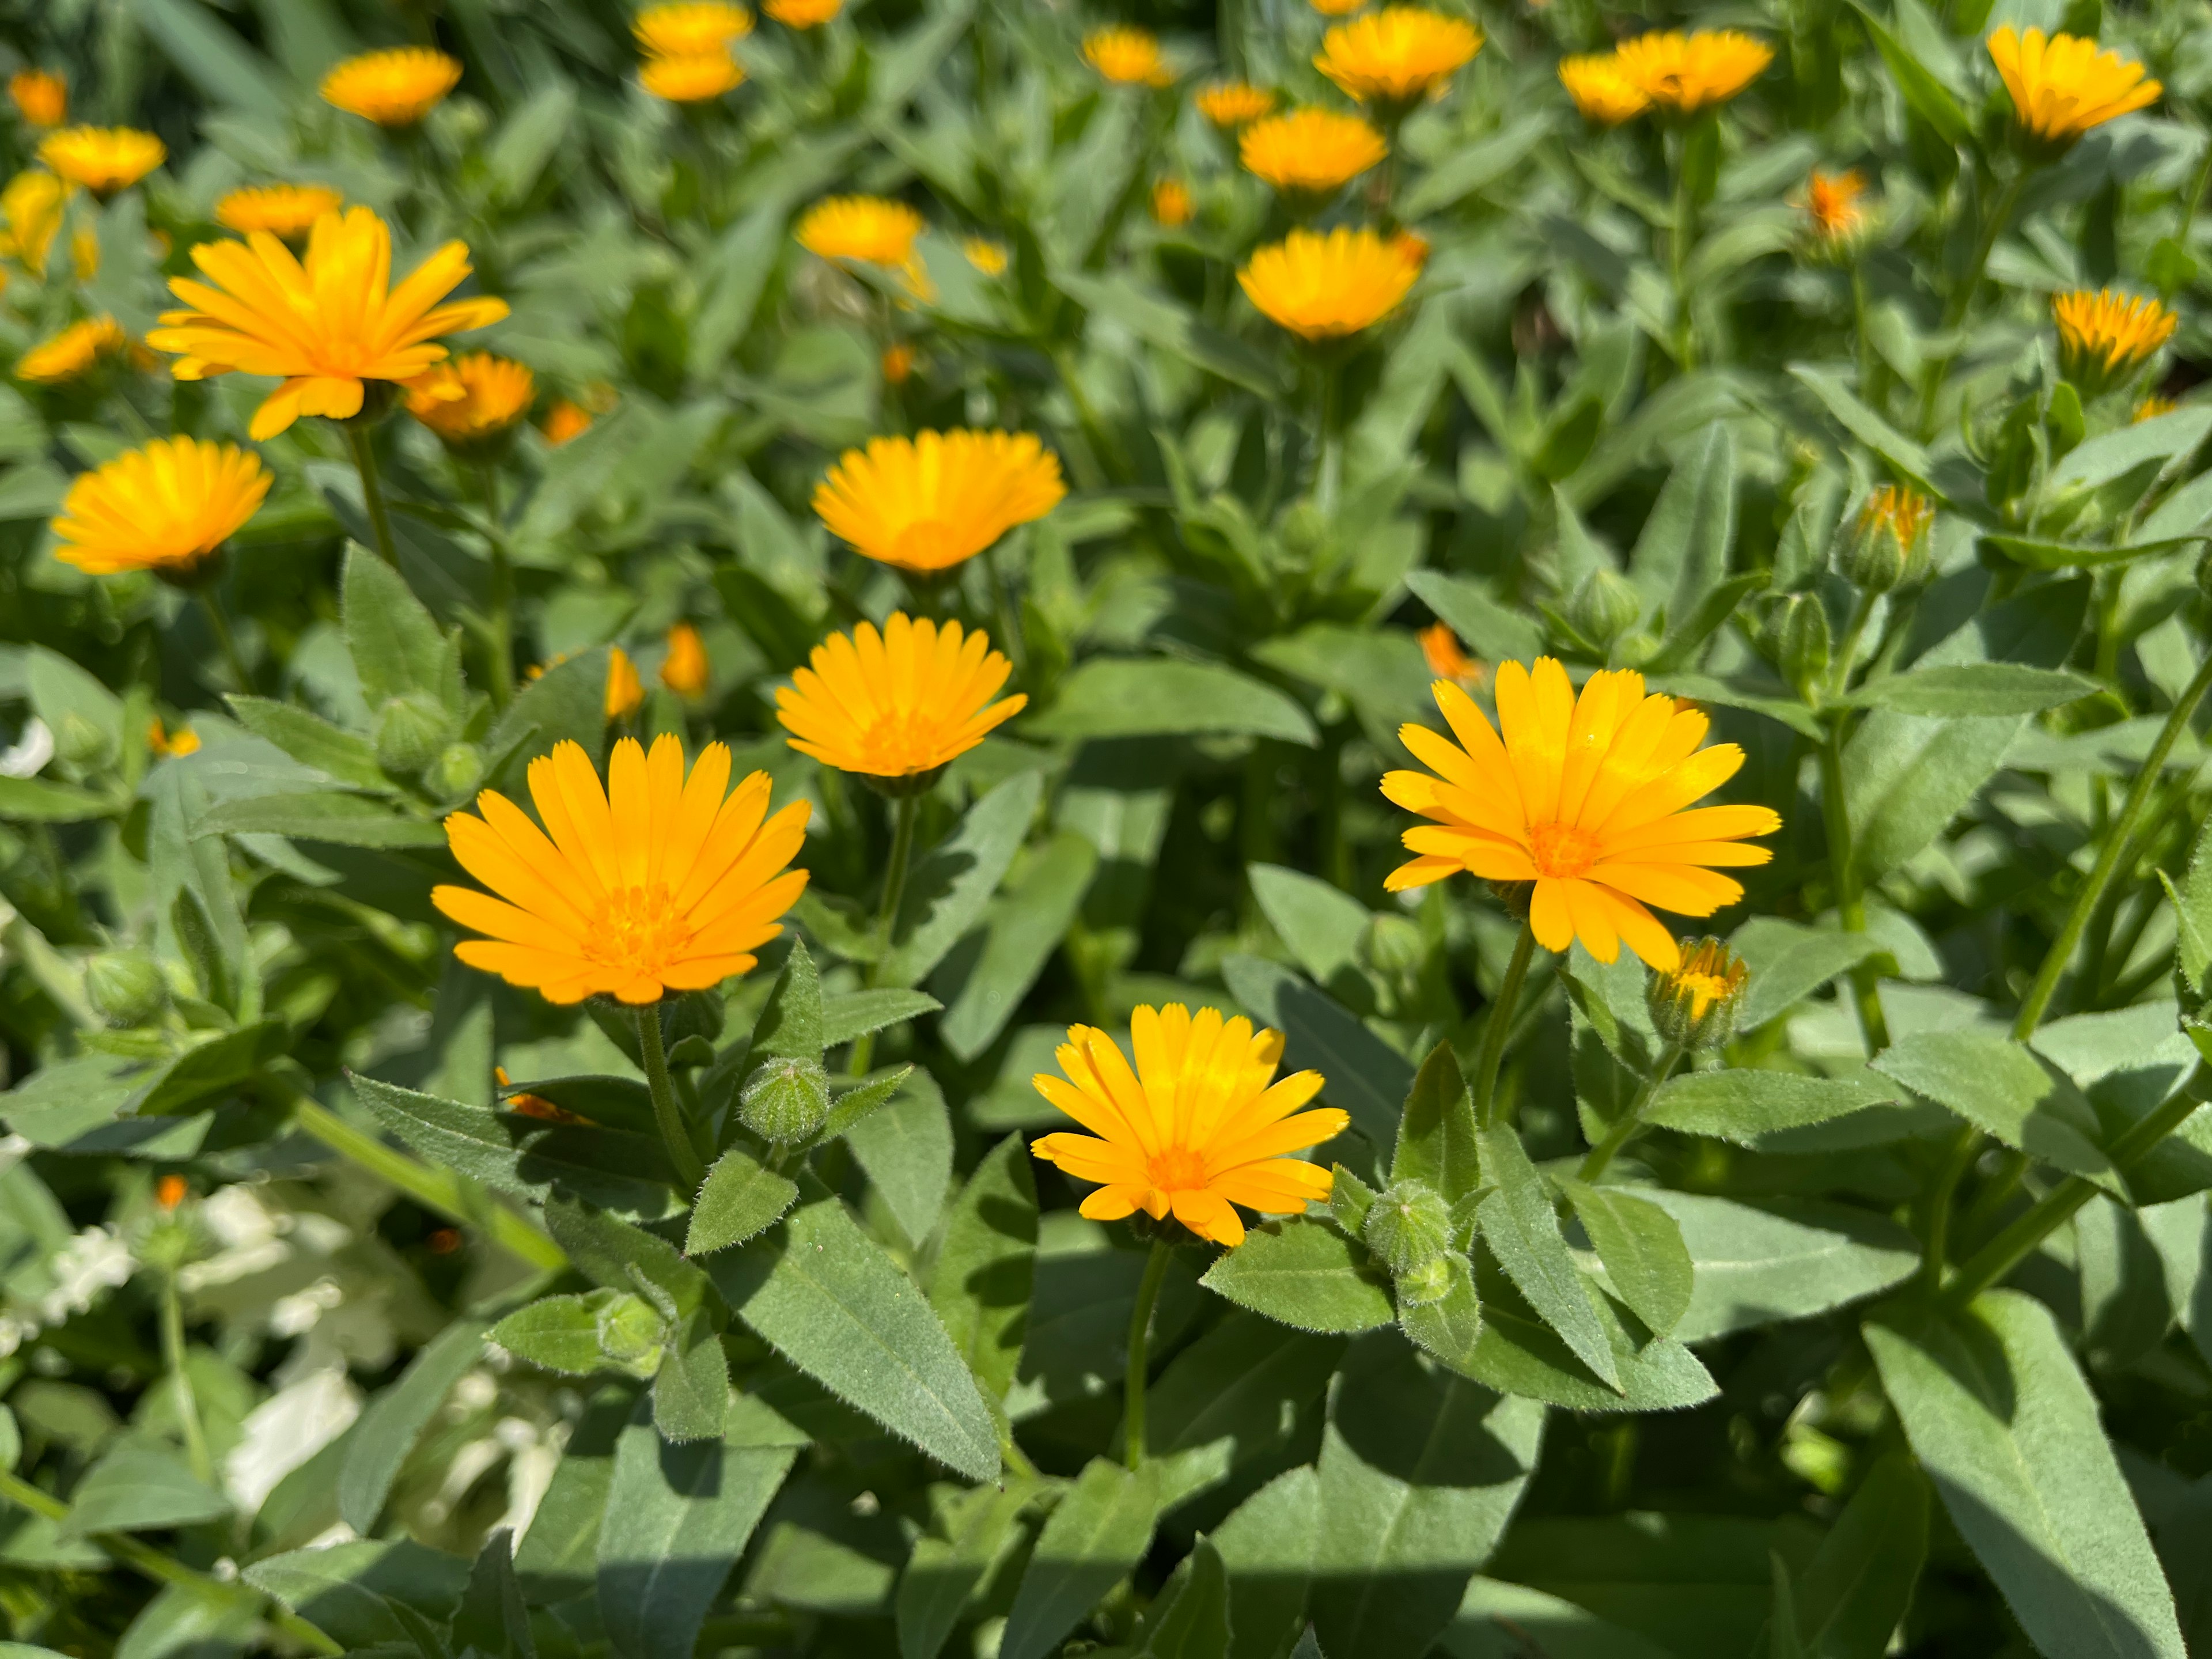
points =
(103, 160)
(72, 352)
(1310, 150)
(2104, 335)
(1601, 90)
(2151, 408)
(1447, 660)
(1586, 798)
(1232, 103)
(927, 502)
(32, 204)
(896, 707)
(1171, 203)
(2061, 86)
(1198, 1126)
(692, 28)
(323, 325)
(657, 883)
(1336, 8)
(286, 210)
(1832, 213)
(1398, 54)
(1888, 544)
(691, 79)
(1126, 56)
(1694, 1004)
(171, 745)
(1684, 73)
(1322, 286)
(870, 230)
(897, 363)
(565, 419)
(40, 98)
(469, 399)
(803, 14)
(988, 257)
(625, 691)
(163, 509)
(393, 88)
(685, 670)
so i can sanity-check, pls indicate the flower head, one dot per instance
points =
(1310, 150)
(169, 745)
(894, 707)
(103, 160)
(1336, 8)
(871, 229)
(467, 400)
(803, 14)
(2104, 335)
(1585, 797)
(685, 670)
(1446, 658)
(323, 324)
(2151, 408)
(32, 204)
(286, 210)
(692, 28)
(927, 502)
(1888, 544)
(987, 256)
(1684, 73)
(1232, 103)
(657, 883)
(693, 78)
(567, 419)
(1126, 56)
(897, 362)
(1200, 1124)
(1324, 287)
(2063, 86)
(1395, 55)
(164, 507)
(393, 88)
(1602, 89)
(625, 691)
(1171, 203)
(40, 98)
(71, 352)
(1832, 213)
(1695, 1003)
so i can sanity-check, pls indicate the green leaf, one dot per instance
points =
(1788, 961)
(1098, 1533)
(1927, 96)
(41, 800)
(577, 1335)
(1229, 1399)
(1519, 1354)
(1690, 1583)
(1522, 1230)
(1907, 457)
(2003, 1423)
(567, 703)
(141, 1486)
(74, 704)
(970, 1533)
(986, 1265)
(1361, 1073)
(2192, 914)
(388, 1430)
(1320, 923)
(905, 1148)
(1498, 1620)
(610, 1252)
(1490, 629)
(952, 885)
(1745, 1105)
(1762, 1261)
(1468, 168)
(397, 645)
(1160, 321)
(527, 140)
(790, 1027)
(1158, 697)
(850, 1014)
(1642, 1248)
(558, 1556)
(320, 815)
(1190, 1619)
(1022, 929)
(1300, 1271)
(1437, 1140)
(740, 1197)
(494, 1619)
(222, 66)
(1682, 553)
(345, 757)
(691, 1389)
(1978, 688)
(1449, 1328)
(2112, 455)
(1852, 1596)
(2007, 1089)
(360, 1594)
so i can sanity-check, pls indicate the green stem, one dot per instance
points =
(503, 594)
(1140, 1332)
(362, 440)
(907, 814)
(675, 1134)
(1958, 1158)
(1500, 1020)
(1678, 260)
(1850, 904)
(2189, 206)
(1009, 627)
(1101, 456)
(1873, 390)
(180, 1382)
(1840, 670)
(1623, 1129)
(225, 641)
(1962, 300)
(1329, 480)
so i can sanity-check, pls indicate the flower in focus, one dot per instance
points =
(567, 419)
(1126, 56)
(1585, 797)
(71, 352)
(897, 363)
(470, 399)
(323, 325)
(1394, 55)
(393, 88)
(894, 707)
(103, 160)
(927, 502)
(32, 204)
(40, 98)
(871, 229)
(1322, 286)
(1200, 1124)
(987, 256)
(1311, 150)
(1446, 658)
(657, 883)
(164, 507)
(1232, 103)
(2061, 86)
(2104, 335)
(286, 210)
(1684, 73)
(2151, 408)
(692, 28)
(803, 14)
(685, 670)
(162, 741)
(1171, 203)
(1693, 1005)
(693, 78)
(1601, 90)
(1832, 213)
(625, 691)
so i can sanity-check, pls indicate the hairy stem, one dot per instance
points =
(906, 816)
(180, 1382)
(362, 440)
(1140, 1333)
(1623, 1129)
(1850, 904)
(1500, 1021)
(675, 1132)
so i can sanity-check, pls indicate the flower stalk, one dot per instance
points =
(1140, 1332)
(904, 816)
(675, 1132)
(1625, 1128)
(360, 439)
(1494, 1029)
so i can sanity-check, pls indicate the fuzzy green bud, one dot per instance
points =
(1393, 946)
(1799, 635)
(786, 1099)
(1408, 1227)
(456, 772)
(1888, 544)
(411, 730)
(1605, 606)
(126, 988)
(81, 743)
(1695, 1004)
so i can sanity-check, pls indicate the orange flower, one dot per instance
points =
(803, 14)
(1394, 55)
(692, 28)
(1832, 205)
(161, 741)
(72, 352)
(625, 691)
(1602, 89)
(987, 256)
(1126, 56)
(1440, 649)
(685, 670)
(286, 210)
(394, 89)
(1324, 287)
(1232, 103)
(897, 363)
(523, 1104)
(2104, 335)
(692, 79)
(1171, 203)
(893, 708)
(1312, 151)
(468, 400)
(928, 502)
(103, 160)
(169, 1192)
(164, 507)
(1684, 73)
(2063, 86)
(871, 229)
(41, 97)
(564, 421)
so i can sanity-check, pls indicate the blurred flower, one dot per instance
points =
(286, 210)
(1321, 287)
(2151, 408)
(530, 1105)
(41, 97)
(1602, 89)
(625, 691)
(1232, 103)
(1585, 798)
(1395, 55)
(103, 160)
(1314, 150)
(1171, 203)
(692, 28)
(693, 78)
(161, 741)
(1694, 1004)
(988, 257)
(469, 399)
(1832, 207)
(927, 502)
(897, 363)
(1336, 8)
(323, 325)
(32, 204)
(871, 229)
(1447, 660)
(393, 88)
(163, 507)
(655, 883)
(2102, 337)
(564, 421)
(169, 1191)
(1198, 1125)
(1684, 73)
(1888, 544)
(84, 254)
(685, 670)
(803, 14)
(72, 352)
(898, 704)
(2063, 86)
(1126, 56)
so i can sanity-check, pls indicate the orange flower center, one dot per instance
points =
(638, 927)
(1176, 1169)
(924, 544)
(897, 741)
(1562, 849)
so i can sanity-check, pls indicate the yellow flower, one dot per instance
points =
(693, 78)
(1310, 150)
(2102, 337)
(897, 363)
(927, 502)
(161, 741)
(899, 704)
(1126, 56)
(1171, 202)
(692, 28)
(803, 14)
(71, 352)
(1232, 103)
(41, 97)
(323, 325)
(2063, 86)
(656, 883)
(1446, 658)
(468, 399)
(1395, 55)
(1832, 205)
(394, 89)
(868, 229)
(286, 210)
(1200, 1124)
(164, 507)
(685, 670)
(84, 252)
(564, 421)
(1684, 73)
(625, 691)
(1336, 8)
(1602, 89)
(1695, 1004)
(988, 257)
(32, 203)
(103, 160)
(1585, 797)
(1322, 286)
(2151, 408)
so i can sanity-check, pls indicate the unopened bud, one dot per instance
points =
(1430, 1282)
(81, 743)
(411, 730)
(456, 772)
(1800, 637)
(786, 1100)
(1394, 946)
(1694, 1005)
(1605, 606)
(1408, 1227)
(126, 988)
(1888, 543)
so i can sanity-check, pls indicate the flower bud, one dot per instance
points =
(126, 988)
(1303, 531)
(1800, 637)
(1430, 1282)
(456, 772)
(1888, 544)
(80, 742)
(630, 1329)
(1694, 1005)
(785, 1100)
(411, 730)
(1408, 1226)
(1605, 606)
(1394, 946)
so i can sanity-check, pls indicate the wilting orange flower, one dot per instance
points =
(1198, 1126)
(1126, 56)
(564, 421)
(692, 28)
(1832, 205)
(988, 257)
(1586, 798)
(691, 79)
(897, 363)
(32, 204)
(2103, 336)
(685, 670)
(71, 352)
(1447, 660)
(467, 400)
(927, 502)
(323, 325)
(41, 97)
(1171, 203)
(625, 691)
(393, 88)
(1601, 90)
(871, 229)
(164, 507)
(803, 14)
(1310, 150)
(1322, 286)
(1232, 103)
(655, 883)
(1394, 55)
(171, 745)
(1684, 73)
(2063, 86)
(286, 210)
(103, 160)
(896, 706)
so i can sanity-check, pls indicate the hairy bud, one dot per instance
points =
(1604, 607)
(126, 988)
(411, 730)
(1409, 1228)
(786, 1099)
(1695, 1005)
(1888, 544)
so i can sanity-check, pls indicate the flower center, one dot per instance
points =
(925, 544)
(901, 740)
(1703, 990)
(638, 927)
(1176, 1169)
(1562, 849)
